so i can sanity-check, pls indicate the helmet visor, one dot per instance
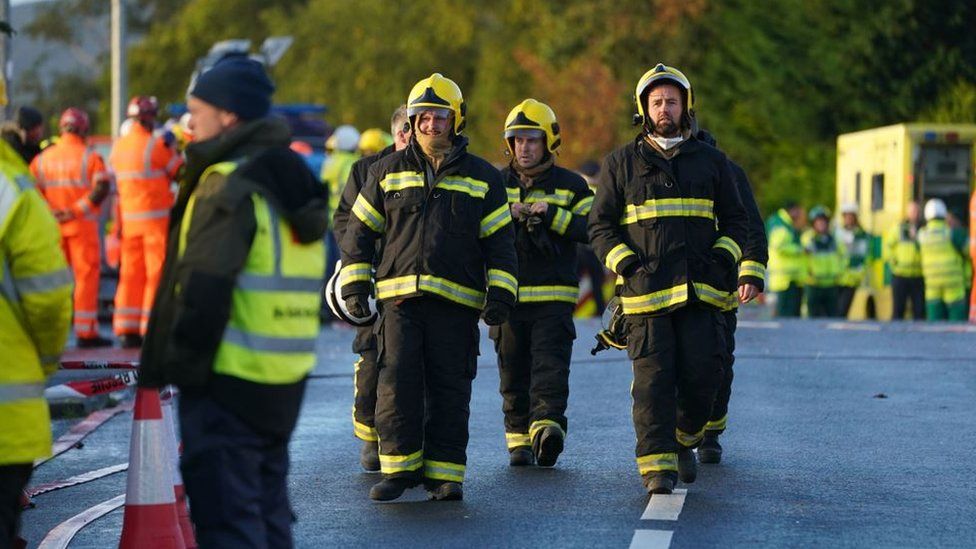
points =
(438, 113)
(524, 132)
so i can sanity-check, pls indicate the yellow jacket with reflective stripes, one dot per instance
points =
(901, 251)
(35, 311)
(446, 233)
(673, 228)
(569, 199)
(942, 261)
(335, 174)
(787, 261)
(826, 259)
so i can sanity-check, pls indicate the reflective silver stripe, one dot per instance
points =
(145, 449)
(269, 344)
(128, 311)
(43, 282)
(248, 281)
(8, 197)
(136, 176)
(151, 214)
(21, 391)
(59, 183)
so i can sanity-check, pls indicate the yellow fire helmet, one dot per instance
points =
(658, 73)
(373, 141)
(529, 118)
(437, 92)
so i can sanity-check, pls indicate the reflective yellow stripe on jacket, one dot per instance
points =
(668, 207)
(412, 284)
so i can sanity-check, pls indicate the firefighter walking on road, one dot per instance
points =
(35, 317)
(668, 218)
(145, 165)
(366, 372)
(74, 180)
(448, 252)
(549, 205)
(750, 282)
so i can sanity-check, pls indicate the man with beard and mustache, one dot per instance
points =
(448, 252)
(667, 218)
(549, 205)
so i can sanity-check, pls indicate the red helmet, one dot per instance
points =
(143, 107)
(74, 120)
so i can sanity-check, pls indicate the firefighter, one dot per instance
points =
(35, 317)
(73, 179)
(901, 252)
(750, 282)
(825, 260)
(365, 371)
(549, 205)
(374, 140)
(668, 219)
(145, 165)
(857, 242)
(236, 319)
(341, 146)
(942, 265)
(448, 253)
(787, 270)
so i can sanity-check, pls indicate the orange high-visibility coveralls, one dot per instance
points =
(66, 174)
(144, 165)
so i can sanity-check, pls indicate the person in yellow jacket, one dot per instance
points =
(786, 259)
(341, 147)
(825, 262)
(942, 265)
(35, 316)
(904, 259)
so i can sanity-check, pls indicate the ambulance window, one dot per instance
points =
(877, 192)
(857, 188)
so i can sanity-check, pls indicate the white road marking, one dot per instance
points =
(764, 324)
(952, 328)
(651, 539)
(665, 506)
(855, 326)
(62, 534)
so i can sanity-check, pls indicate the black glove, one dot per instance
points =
(358, 305)
(496, 312)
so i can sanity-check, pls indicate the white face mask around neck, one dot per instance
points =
(667, 143)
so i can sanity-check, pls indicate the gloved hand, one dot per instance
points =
(358, 305)
(496, 312)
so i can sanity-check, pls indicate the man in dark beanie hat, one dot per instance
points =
(238, 337)
(24, 132)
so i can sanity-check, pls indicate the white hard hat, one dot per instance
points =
(346, 138)
(935, 208)
(848, 208)
(338, 306)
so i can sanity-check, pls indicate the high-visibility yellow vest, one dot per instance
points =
(274, 321)
(35, 312)
(787, 263)
(941, 261)
(335, 173)
(825, 259)
(902, 252)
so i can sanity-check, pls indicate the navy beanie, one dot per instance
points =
(236, 84)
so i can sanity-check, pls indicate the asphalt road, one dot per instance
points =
(840, 435)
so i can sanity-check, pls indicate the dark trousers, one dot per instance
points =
(428, 355)
(903, 290)
(788, 301)
(821, 301)
(235, 478)
(720, 409)
(845, 296)
(590, 264)
(533, 363)
(366, 373)
(678, 360)
(13, 480)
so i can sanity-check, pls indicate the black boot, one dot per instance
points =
(687, 465)
(521, 456)
(444, 490)
(548, 444)
(389, 489)
(369, 457)
(91, 342)
(130, 341)
(710, 450)
(661, 482)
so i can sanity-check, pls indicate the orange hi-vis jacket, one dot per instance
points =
(66, 173)
(144, 165)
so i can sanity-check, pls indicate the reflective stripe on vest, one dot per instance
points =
(274, 323)
(20, 391)
(941, 262)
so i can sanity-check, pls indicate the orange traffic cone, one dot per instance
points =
(150, 519)
(182, 512)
